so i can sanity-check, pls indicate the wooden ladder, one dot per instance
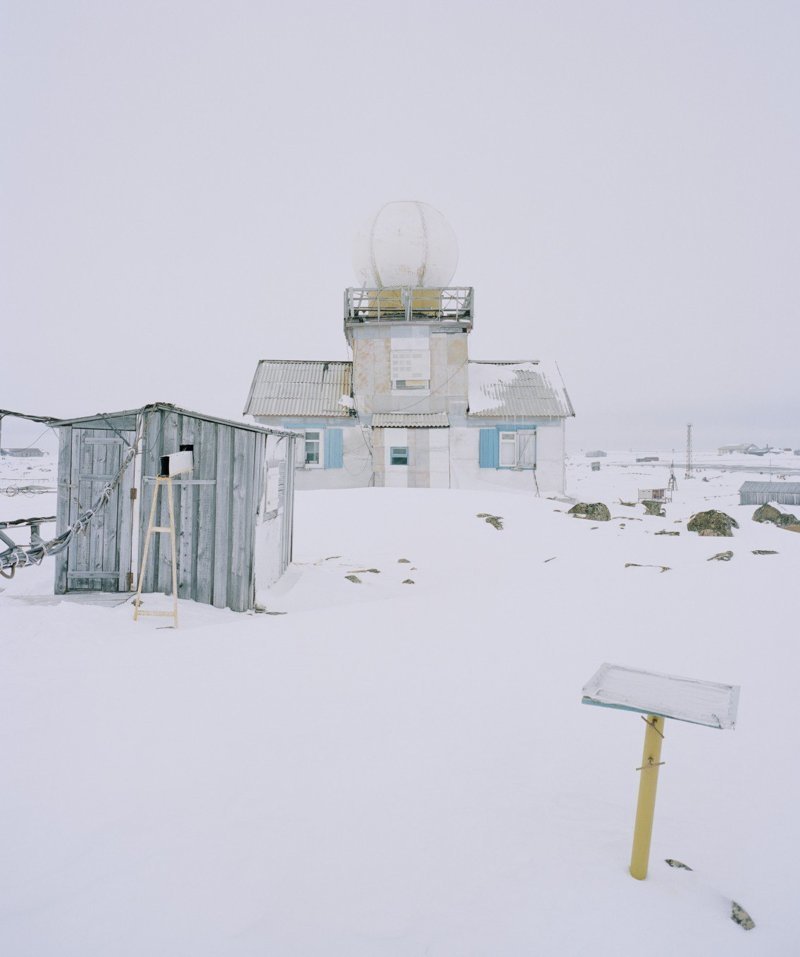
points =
(162, 481)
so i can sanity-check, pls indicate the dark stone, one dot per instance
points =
(595, 511)
(496, 521)
(712, 522)
(768, 513)
(654, 508)
(740, 916)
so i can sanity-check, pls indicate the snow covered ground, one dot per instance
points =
(393, 769)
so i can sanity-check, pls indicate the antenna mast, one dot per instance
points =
(689, 473)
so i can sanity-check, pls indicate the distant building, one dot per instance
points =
(599, 454)
(412, 409)
(22, 453)
(760, 493)
(731, 449)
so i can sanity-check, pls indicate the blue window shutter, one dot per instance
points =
(488, 449)
(334, 449)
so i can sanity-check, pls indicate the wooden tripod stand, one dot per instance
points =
(162, 481)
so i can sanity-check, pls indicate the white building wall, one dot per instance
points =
(549, 478)
(372, 365)
(356, 471)
(439, 444)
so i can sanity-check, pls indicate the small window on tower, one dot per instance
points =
(398, 455)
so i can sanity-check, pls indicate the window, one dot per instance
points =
(313, 449)
(319, 447)
(398, 455)
(526, 449)
(507, 447)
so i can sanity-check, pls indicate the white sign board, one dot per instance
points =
(411, 359)
(686, 699)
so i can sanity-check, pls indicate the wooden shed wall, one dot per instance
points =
(215, 508)
(89, 455)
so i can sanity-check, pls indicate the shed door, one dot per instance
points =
(100, 558)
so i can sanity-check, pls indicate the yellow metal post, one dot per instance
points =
(643, 829)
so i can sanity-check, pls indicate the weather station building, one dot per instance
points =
(412, 409)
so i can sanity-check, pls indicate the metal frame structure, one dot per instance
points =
(390, 304)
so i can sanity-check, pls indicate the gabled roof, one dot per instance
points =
(410, 420)
(512, 389)
(296, 387)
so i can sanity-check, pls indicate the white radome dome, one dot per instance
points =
(405, 244)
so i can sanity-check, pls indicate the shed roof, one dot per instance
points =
(510, 389)
(413, 420)
(296, 387)
(167, 407)
(793, 488)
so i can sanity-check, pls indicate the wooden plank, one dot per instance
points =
(287, 504)
(63, 504)
(107, 424)
(150, 460)
(258, 489)
(107, 517)
(81, 491)
(222, 527)
(170, 440)
(124, 512)
(102, 532)
(186, 513)
(205, 515)
(241, 561)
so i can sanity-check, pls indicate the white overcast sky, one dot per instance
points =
(181, 182)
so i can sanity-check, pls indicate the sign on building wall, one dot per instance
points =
(411, 360)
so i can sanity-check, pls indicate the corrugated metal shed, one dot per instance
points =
(239, 470)
(402, 420)
(759, 493)
(300, 388)
(511, 389)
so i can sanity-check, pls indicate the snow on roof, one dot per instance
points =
(502, 389)
(290, 387)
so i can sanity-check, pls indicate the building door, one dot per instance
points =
(99, 559)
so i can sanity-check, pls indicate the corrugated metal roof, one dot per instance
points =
(414, 420)
(793, 488)
(300, 388)
(511, 389)
(168, 407)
